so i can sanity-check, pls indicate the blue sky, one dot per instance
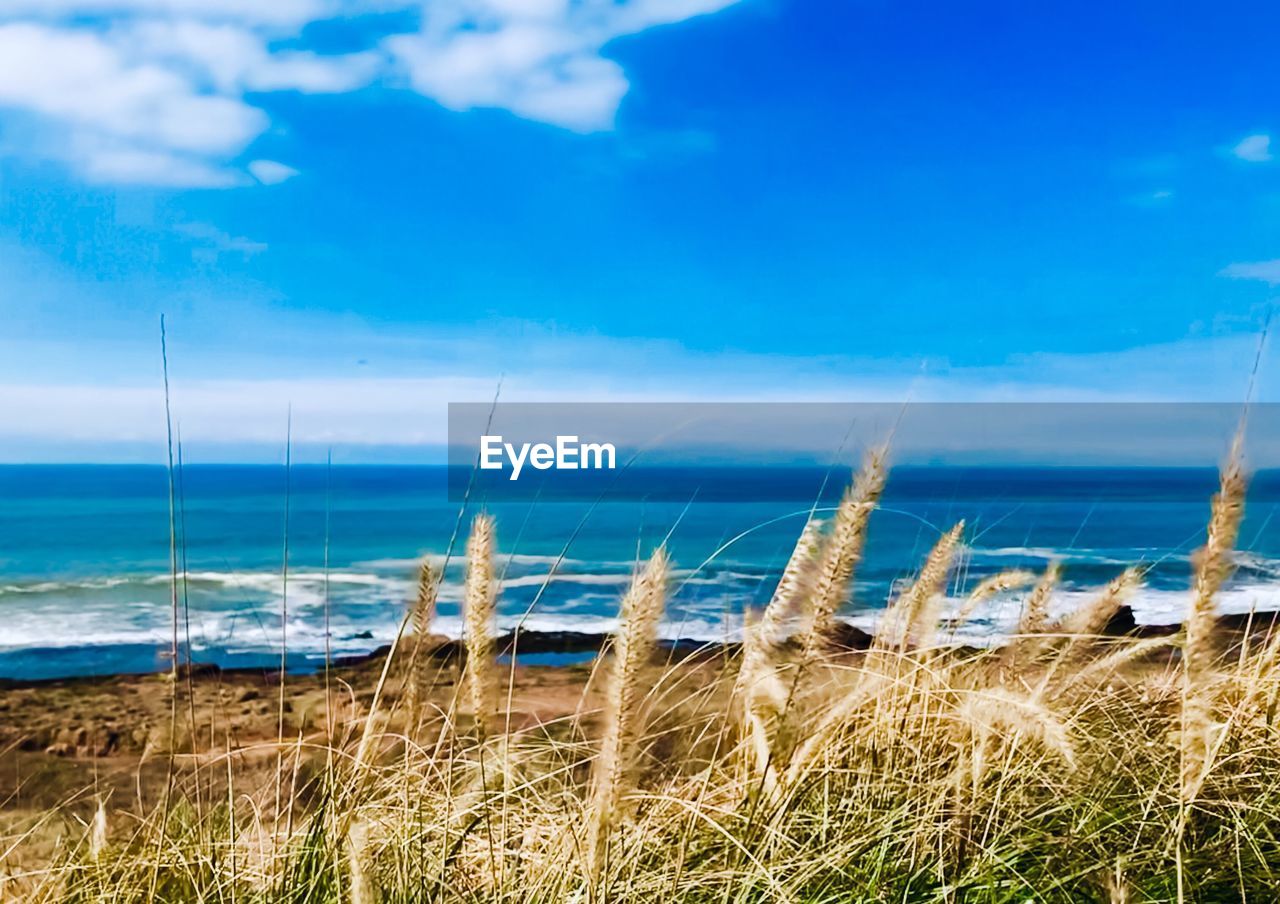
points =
(367, 208)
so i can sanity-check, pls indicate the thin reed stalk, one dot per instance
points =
(173, 596)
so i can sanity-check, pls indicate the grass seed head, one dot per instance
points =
(479, 603)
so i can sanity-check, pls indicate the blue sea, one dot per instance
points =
(85, 571)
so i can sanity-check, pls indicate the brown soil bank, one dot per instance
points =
(63, 737)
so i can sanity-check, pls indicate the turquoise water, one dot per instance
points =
(85, 571)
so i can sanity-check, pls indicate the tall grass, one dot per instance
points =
(417, 673)
(1054, 769)
(633, 650)
(479, 601)
(1213, 565)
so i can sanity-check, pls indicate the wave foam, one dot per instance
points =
(240, 609)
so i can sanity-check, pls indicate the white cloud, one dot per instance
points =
(293, 13)
(1261, 271)
(213, 240)
(158, 104)
(540, 59)
(159, 91)
(1254, 149)
(102, 161)
(271, 172)
(1158, 198)
(233, 58)
(81, 80)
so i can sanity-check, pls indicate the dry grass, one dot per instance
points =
(1052, 770)
(478, 607)
(633, 651)
(1213, 565)
(1035, 612)
(417, 673)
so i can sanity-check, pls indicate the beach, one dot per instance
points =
(1045, 658)
(68, 744)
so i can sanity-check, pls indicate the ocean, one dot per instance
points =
(85, 570)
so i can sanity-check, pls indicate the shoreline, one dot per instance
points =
(533, 643)
(71, 745)
(103, 718)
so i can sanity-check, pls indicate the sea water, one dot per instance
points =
(88, 585)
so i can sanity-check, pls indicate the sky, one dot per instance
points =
(357, 211)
